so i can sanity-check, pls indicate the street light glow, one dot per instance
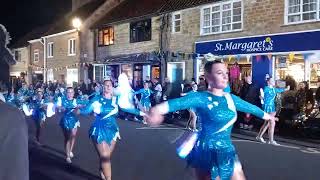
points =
(76, 23)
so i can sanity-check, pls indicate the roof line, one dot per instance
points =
(127, 20)
(60, 33)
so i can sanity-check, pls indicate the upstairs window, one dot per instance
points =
(176, 22)
(17, 55)
(36, 55)
(299, 11)
(140, 31)
(222, 17)
(72, 47)
(50, 50)
(106, 36)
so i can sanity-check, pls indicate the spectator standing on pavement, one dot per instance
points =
(250, 93)
(167, 88)
(157, 91)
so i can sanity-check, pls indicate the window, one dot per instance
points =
(71, 47)
(140, 31)
(176, 22)
(302, 11)
(50, 50)
(50, 75)
(72, 76)
(36, 55)
(222, 17)
(17, 55)
(106, 36)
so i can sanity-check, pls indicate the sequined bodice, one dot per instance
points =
(270, 94)
(106, 106)
(69, 105)
(215, 115)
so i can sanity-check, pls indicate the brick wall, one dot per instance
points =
(22, 65)
(60, 58)
(122, 43)
(260, 17)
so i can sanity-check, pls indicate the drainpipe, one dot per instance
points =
(43, 42)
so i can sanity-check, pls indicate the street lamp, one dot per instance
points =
(76, 23)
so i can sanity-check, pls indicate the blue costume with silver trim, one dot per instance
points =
(11, 99)
(270, 94)
(39, 112)
(105, 127)
(69, 120)
(145, 97)
(82, 100)
(214, 150)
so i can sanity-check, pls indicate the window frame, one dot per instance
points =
(286, 13)
(220, 5)
(72, 47)
(18, 53)
(174, 20)
(50, 50)
(131, 26)
(36, 52)
(106, 34)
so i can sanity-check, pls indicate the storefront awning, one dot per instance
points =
(262, 44)
(138, 58)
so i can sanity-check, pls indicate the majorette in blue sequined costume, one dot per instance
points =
(105, 127)
(145, 97)
(270, 94)
(38, 110)
(82, 100)
(11, 99)
(213, 150)
(69, 120)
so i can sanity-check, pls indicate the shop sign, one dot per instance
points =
(291, 42)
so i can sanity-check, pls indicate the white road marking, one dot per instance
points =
(301, 149)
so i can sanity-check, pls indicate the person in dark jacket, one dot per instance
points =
(250, 93)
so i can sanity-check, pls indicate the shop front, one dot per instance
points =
(295, 54)
(138, 67)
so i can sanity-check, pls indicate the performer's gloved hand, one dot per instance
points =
(155, 117)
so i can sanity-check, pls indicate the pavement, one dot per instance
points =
(146, 153)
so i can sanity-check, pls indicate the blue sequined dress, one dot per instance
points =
(11, 99)
(82, 100)
(214, 150)
(145, 97)
(39, 112)
(105, 127)
(270, 94)
(69, 120)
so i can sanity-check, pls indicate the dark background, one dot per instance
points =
(21, 16)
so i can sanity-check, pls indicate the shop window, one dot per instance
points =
(106, 36)
(72, 76)
(50, 75)
(176, 22)
(140, 31)
(98, 73)
(222, 17)
(302, 11)
(294, 67)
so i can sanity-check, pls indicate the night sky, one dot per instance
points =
(21, 16)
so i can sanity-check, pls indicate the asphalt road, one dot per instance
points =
(146, 153)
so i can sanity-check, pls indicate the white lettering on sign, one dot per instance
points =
(254, 46)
